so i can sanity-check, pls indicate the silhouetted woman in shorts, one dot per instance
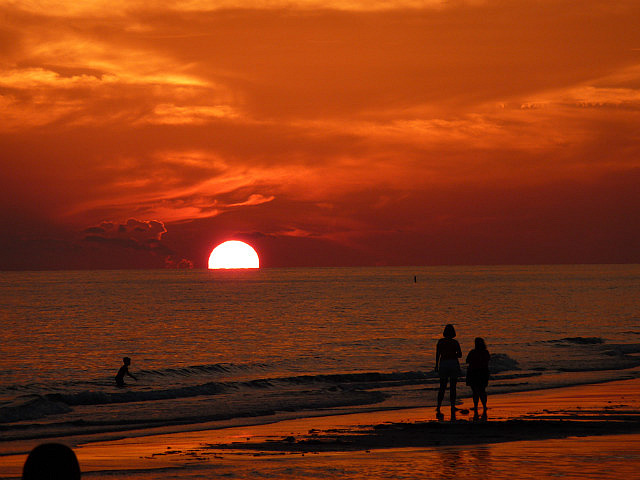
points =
(447, 354)
(478, 373)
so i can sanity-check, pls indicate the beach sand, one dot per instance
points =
(587, 420)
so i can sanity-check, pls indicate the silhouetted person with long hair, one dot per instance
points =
(51, 461)
(478, 374)
(447, 354)
(124, 370)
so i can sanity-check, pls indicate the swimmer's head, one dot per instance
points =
(51, 461)
(126, 360)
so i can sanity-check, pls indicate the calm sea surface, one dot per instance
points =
(208, 345)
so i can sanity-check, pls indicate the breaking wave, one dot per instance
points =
(578, 341)
(32, 409)
(501, 362)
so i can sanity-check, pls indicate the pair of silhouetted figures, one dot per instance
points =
(447, 354)
(51, 461)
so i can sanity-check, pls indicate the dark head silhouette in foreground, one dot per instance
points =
(124, 370)
(51, 461)
(478, 374)
(447, 353)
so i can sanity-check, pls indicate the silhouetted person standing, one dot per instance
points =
(447, 354)
(478, 374)
(51, 461)
(124, 370)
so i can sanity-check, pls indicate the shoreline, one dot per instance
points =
(413, 397)
(584, 410)
(610, 408)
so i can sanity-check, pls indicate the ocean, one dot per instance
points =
(228, 344)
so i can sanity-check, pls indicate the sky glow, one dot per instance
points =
(135, 134)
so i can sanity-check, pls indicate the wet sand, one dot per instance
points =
(601, 409)
(608, 411)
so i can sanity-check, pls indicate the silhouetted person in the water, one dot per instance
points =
(124, 370)
(51, 461)
(478, 374)
(447, 354)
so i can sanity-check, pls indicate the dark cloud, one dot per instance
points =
(136, 235)
(139, 232)
(173, 261)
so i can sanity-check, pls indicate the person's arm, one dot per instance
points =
(458, 350)
(131, 375)
(437, 355)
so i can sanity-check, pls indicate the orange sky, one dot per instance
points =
(139, 134)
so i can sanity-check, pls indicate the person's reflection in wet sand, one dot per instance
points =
(464, 462)
(450, 461)
(480, 462)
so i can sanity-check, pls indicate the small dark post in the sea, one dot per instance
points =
(415, 279)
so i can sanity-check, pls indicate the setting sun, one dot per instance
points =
(234, 254)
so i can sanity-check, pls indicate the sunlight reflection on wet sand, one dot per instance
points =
(610, 457)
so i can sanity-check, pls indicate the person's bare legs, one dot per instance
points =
(452, 396)
(483, 397)
(452, 393)
(476, 398)
(441, 390)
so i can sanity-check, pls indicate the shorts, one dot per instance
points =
(478, 378)
(449, 368)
